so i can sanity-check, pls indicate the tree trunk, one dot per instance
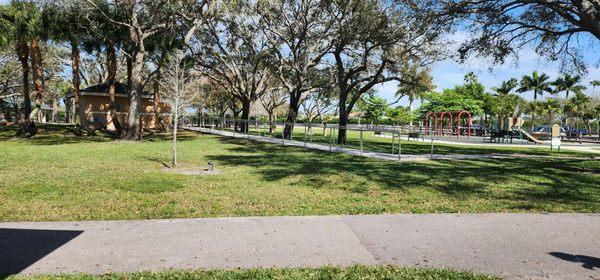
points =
(175, 121)
(156, 101)
(598, 127)
(292, 116)
(38, 77)
(342, 131)
(54, 110)
(245, 116)
(533, 111)
(6, 112)
(271, 120)
(410, 111)
(134, 121)
(75, 58)
(111, 61)
(17, 112)
(129, 63)
(343, 116)
(27, 128)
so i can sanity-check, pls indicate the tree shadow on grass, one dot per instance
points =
(49, 134)
(531, 180)
(182, 135)
(52, 134)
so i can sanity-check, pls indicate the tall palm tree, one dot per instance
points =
(568, 84)
(63, 19)
(506, 87)
(594, 84)
(419, 83)
(578, 105)
(551, 107)
(537, 83)
(20, 24)
(504, 98)
(596, 112)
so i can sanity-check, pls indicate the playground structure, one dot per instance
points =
(435, 123)
(459, 123)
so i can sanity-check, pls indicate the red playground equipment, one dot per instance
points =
(435, 123)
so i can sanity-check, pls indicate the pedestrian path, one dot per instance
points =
(572, 146)
(516, 246)
(355, 152)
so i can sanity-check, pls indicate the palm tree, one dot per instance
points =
(63, 19)
(105, 34)
(551, 107)
(568, 84)
(506, 87)
(578, 105)
(537, 83)
(419, 82)
(594, 84)
(504, 99)
(20, 24)
(596, 112)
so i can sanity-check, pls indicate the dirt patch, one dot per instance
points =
(191, 171)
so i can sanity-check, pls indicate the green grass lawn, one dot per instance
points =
(354, 272)
(56, 176)
(377, 143)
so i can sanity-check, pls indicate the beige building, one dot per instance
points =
(94, 107)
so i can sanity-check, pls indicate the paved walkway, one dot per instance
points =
(573, 146)
(369, 154)
(557, 246)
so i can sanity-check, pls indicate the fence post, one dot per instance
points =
(361, 140)
(330, 138)
(400, 144)
(247, 128)
(283, 134)
(234, 126)
(393, 140)
(432, 135)
(305, 131)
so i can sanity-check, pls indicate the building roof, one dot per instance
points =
(121, 90)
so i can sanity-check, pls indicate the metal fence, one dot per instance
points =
(363, 138)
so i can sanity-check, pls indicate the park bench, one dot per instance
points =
(416, 135)
(498, 136)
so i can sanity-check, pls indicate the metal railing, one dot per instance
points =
(364, 138)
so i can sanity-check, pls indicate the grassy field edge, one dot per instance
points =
(328, 272)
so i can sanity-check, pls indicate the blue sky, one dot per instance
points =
(448, 73)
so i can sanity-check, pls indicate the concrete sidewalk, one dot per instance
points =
(368, 154)
(558, 246)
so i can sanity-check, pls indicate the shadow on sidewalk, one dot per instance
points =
(20, 248)
(588, 262)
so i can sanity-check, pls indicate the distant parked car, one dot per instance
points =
(573, 132)
(475, 130)
(548, 130)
